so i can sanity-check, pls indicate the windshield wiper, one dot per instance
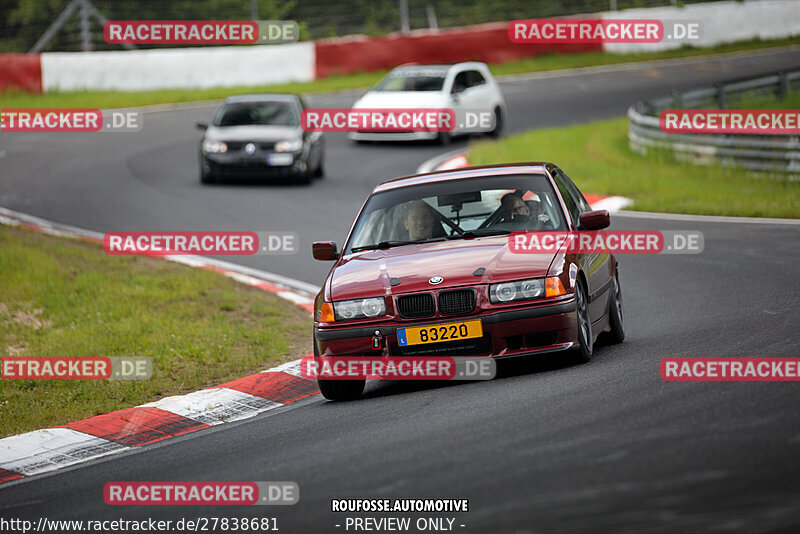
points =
(390, 244)
(382, 244)
(470, 234)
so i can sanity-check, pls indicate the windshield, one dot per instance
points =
(459, 209)
(258, 113)
(422, 79)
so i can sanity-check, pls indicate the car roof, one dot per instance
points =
(262, 97)
(448, 66)
(469, 172)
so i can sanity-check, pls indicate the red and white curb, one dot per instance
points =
(612, 204)
(459, 161)
(49, 449)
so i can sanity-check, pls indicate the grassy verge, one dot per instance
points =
(596, 156)
(63, 297)
(115, 99)
(570, 61)
(790, 101)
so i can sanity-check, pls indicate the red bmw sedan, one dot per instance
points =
(427, 270)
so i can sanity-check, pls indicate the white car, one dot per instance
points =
(466, 88)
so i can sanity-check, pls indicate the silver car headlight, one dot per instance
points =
(291, 145)
(346, 310)
(214, 147)
(532, 288)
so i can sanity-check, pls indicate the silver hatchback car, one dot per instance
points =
(259, 136)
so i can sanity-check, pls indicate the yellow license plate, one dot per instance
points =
(437, 333)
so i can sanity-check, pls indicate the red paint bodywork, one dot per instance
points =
(511, 329)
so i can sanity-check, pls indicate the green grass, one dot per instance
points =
(750, 101)
(117, 99)
(596, 156)
(569, 61)
(64, 297)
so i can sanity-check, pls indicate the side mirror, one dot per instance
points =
(595, 220)
(202, 126)
(324, 250)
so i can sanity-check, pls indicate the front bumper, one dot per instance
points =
(518, 332)
(239, 165)
(400, 136)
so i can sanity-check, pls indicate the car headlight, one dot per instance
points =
(532, 288)
(519, 290)
(359, 308)
(213, 147)
(291, 145)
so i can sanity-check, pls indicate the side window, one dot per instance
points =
(460, 83)
(572, 207)
(475, 78)
(582, 204)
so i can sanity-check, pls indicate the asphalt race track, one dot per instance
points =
(547, 447)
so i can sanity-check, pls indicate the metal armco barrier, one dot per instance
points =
(761, 152)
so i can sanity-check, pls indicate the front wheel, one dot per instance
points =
(498, 123)
(585, 349)
(206, 175)
(341, 390)
(305, 177)
(617, 333)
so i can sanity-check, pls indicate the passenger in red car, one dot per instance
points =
(514, 208)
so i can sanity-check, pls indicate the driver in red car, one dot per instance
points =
(419, 221)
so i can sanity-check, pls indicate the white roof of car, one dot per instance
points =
(264, 97)
(472, 64)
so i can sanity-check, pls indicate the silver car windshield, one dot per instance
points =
(421, 79)
(258, 113)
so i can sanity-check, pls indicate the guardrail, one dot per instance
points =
(761, 152)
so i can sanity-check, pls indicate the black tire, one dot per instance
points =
(320, 170)
(339, 390)
(583, 352)
(498, 123)
(206, 177)
(615, 313)
(444, 138)
(305, 177)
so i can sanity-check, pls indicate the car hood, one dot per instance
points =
(253, 133)
(369, 273)
(401, 99)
